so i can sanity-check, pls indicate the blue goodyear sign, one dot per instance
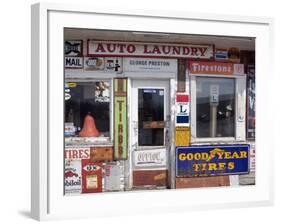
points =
(212, 160)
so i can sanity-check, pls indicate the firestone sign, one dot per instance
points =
(109, 48)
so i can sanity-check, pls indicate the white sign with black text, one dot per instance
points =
(149, 64)
(153, 158)
(73, 62)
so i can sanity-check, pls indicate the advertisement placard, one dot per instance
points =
(212, 160)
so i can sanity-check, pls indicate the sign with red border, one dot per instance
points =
(117, 48)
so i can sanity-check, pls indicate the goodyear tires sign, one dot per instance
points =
(212, 160)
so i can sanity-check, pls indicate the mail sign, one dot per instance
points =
(212, 160)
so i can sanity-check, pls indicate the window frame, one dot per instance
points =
(240, 110)
(98, 79)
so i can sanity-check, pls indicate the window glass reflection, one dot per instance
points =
(215, 107)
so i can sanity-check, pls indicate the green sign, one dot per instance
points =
(120, 118)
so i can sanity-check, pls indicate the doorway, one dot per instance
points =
(149, 136)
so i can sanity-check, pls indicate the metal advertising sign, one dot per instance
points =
(77, 153)
(72, 177)
(93, 63)
(210, 68)
(72, 169)
(145, 178)
(117, 48)
(114, 176)
(113, 65)
(100, 154)
(152, 158)
(91, 176)
(73, 62)
(221, 54)
(120, 118)
(73, 48)
(182, 136)
(182, 113)
(212, 160)
(149, 65)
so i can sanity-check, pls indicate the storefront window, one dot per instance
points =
(151, 117)
(87, 106)
(215, 107)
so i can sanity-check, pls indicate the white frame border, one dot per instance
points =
(40, 157)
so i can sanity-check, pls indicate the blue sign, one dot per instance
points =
(212, 160)
(182, 119)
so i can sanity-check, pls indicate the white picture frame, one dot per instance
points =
(47, 199)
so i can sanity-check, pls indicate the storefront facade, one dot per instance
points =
(155, 115)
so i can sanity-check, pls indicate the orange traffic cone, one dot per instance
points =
(89, 128)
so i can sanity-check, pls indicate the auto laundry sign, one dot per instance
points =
(212, 160)
(108, 48)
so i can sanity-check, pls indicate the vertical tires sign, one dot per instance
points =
(120, 118)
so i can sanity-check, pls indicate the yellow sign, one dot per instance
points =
(72, 84)
(182, 137)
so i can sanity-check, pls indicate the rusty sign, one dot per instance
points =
(120, 118)
(100, 154)
(156, 178)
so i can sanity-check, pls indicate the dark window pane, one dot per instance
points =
(215, 107)
(88, 98)
(151, 117)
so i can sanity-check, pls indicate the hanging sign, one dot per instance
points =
(149, 65)
(116, 48)
(120, 118)
(212, 160)
(73, 62)
(153, 158)
(73, 48)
